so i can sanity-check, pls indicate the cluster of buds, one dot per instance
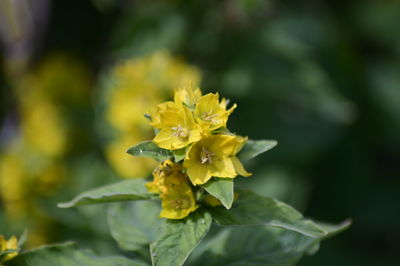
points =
(194, 126)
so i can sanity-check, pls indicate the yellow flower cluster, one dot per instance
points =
(32, 162)
(11, 244)
(136, 85)
(193, 123)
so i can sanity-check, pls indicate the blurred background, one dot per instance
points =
(321, 77)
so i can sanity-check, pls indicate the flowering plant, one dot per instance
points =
(198, 161)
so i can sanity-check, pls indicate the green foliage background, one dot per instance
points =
(321, 77)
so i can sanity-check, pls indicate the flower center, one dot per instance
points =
(180, 204)
(163, 171)
(209, 117)
(206, 156)
(180, 132)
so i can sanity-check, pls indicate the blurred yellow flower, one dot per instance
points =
(11, 244)
(127, 108)
(43, 128)
(32, 163)
(125, 165)
(214, 155)
(58, 78)
(25, 176)
(136, 86)
(13, 183)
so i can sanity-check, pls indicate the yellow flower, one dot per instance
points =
(187, 96)
(135, 86)
(178, 128)
(179, 202)
(176, 194)
(59, 78)
(214, 155)
(43, 127)
(127, 105)
(210, 113)
(171, 72)
(12, 244)
(161, 110)
(167, 174)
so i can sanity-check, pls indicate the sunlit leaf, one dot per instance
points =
(177, 238)
(251, 209)
(257, 246)
(134, 224)
(222, 189)
(150, 150)
(66, 255)
(253, 148)
(179, 155)
(22, 239)
(133, 189)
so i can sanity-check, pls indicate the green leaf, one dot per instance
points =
(66, 255)
(256, 246)
(177, 238)
(333, 229)
(22, 239)
(179, 155)
(134, 224)
(222, 189)
(251, 209)
(133, 189)
(151, 150)
(253, 148)
(222, 130)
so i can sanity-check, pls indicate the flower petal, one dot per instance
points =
(239, 167)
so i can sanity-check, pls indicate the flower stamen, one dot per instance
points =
(180, 204)
(180, 132)
(210, 117)
(206, 157)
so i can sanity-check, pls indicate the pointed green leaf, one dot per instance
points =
(333, 229)
(256, 245)
(133, 189)
(179, 155)
(66, 255)
(151, 150)
(177, 238)
(222, 189)
(251, 209)
(22, 239)
(222, 130)
(253, 148)
(134, 224)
